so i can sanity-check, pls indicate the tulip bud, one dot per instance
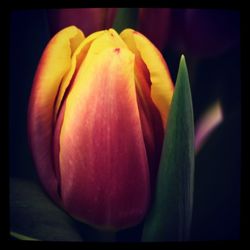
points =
(97, 114)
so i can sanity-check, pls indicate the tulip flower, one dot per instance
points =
(96, 120)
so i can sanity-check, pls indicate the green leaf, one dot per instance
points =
(125, 18)
(170, 216)
(21, 237)
(34, 215)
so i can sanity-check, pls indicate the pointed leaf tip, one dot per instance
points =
(183, 71)
(183, 58)
(171, 213)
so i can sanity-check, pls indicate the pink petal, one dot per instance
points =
(103, 161)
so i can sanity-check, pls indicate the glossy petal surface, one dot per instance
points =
(103, 161)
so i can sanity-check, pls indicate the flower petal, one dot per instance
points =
(152, 127)
(161, 83)
(53, 65)
(77, 58)
(103, 162)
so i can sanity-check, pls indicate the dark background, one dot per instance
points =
(29, 34)
(218, 165)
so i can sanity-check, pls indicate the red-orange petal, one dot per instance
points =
(103, 162)
(77, 59)
(152, 126)
(53, 65)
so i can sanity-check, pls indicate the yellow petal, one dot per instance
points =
(161, 83)
(53, 65)
(109, 38)
(77, 58)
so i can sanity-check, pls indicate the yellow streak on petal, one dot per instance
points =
(109, 39)
(77, 58)
(161, 83)
(54, 64)
(80, 90)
